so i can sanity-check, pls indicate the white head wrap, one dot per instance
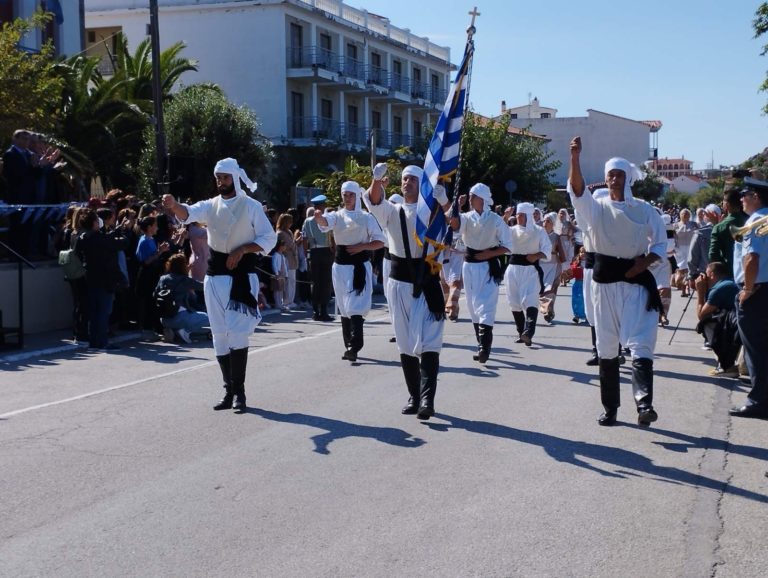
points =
(229, 166)
(352, 187)
(396, 198)
(666, 218)
(631, 172)
(527, 209)
(551, 217)
(482, 191)
(413, 171)
(310, 212)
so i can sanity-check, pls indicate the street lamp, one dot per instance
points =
(157, 94)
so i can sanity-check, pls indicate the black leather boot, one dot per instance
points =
(224, 364)
(324, 313)
(477, 337)
(346, 334)
(642, 388)
(412, 372)
(430, 364)
(519, 318)
(531, 315)
(356, 337)
(594, 360)
(239, 363)
(486, 339)
(609, 390)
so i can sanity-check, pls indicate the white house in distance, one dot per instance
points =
(603, 136)
(312, 71)
(689, 184)
(66, 29)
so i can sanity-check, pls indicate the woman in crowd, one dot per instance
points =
(684, 230)
(284, 234)
(187, 321)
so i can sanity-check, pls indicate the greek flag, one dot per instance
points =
(443, 154)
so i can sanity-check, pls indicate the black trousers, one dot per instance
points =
(321, 262)
(753, 321)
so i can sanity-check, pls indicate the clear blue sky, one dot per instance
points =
(691, 64)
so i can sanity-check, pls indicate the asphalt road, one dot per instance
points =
(114, 464)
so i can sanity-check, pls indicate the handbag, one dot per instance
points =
(71, 265)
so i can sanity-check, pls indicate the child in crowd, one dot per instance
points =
(280, 272)
(577, 293)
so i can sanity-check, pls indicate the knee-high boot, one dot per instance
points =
(476, 356)
(610, 395)
(642, 389)
(519, 318)
(594, 360)
(430, 364)
(412, 373)
(486, 339)
(346, 333)
(225, 365)
(356, 337)
(239, 363)
(531, 315)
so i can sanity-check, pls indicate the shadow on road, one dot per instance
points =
(336, 429)
(625, 462)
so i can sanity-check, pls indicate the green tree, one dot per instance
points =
(361, 174)
(649, 188)
(204, 127)
(760, 26)
(30, 89)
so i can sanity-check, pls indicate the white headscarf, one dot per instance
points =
(527, 209)
(413, 171)
(483, 192)
(551, 217)
(352, 187)
(229, 166)
(631, 172)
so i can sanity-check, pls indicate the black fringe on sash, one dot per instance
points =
(613, 269)
(358, 261)
(495, 270)
(240, 297)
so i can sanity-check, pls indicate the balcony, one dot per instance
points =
(311, 129)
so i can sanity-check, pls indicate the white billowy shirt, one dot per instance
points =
(619, 229)
(528, 241)
(233, 223)
(485, 231)
(387, 215)
(352, 227)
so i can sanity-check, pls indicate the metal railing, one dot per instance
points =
(314, 127)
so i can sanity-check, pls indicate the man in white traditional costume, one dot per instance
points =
(356, 234)
(415, 297)
(523, 280)
(486, 237)
(628, 236)
(238, 230)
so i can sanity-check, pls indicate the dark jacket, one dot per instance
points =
(183, 288)
(98, 252)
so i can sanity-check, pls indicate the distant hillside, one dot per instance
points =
(758, 162)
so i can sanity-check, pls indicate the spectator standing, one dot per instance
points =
(698, 258)
(684, 231)
(320, 261)
(284, 233)
(149, 256)
(279, 275)
(721, 241)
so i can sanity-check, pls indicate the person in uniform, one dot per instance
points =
(486, 237)
(357, 234)
(530, 245)
(752, 301)
(628, 236)
(319, 245)
(415, 297)
(238, 230)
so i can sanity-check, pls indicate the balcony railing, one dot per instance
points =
(314, 127)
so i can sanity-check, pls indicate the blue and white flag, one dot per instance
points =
(443, 154)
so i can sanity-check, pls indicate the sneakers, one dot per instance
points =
(732, 372)
(184, 335)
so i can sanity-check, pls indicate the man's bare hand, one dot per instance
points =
(575, 145)
(234, 259)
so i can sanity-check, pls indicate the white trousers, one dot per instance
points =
(522, 283)
(621, 317)
(482, 293)
(589, 306)
(230, 329)
(415, 329)
(348, 302)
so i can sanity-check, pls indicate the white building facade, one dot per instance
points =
(66, 31)
(312, 71)
(602, 135)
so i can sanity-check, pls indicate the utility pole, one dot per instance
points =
(157, 95)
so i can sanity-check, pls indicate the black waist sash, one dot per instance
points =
(589, 260)
(240, 297)
(358, 261)
(613, 269)
(495, 270)
(386, 253)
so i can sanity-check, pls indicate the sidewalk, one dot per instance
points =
(52, 342)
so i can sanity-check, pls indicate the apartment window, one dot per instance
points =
(352, 114)
(513, 115)
(397, 124)
(326, 108)
(297, 115)
(545, 115)
(325, 42)
(416, 75)
(297, 44)
(324, 56)
(375, 119)
(417, 129)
